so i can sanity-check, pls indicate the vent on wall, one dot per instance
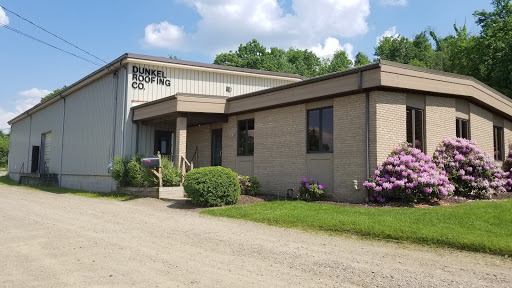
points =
(228, 89)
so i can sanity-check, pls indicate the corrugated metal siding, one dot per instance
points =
(19, 147)
(48, 120)
(197, 82)
(89, 127)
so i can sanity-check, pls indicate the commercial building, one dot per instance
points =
(278, 127)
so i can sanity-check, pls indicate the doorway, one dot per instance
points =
(217, 147)
(35, 159)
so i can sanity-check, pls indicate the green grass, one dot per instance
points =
(482, 226)
(5, 180)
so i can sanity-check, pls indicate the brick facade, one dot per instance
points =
(280, 148)
(350, 148)
(439, 121)
(481, 128)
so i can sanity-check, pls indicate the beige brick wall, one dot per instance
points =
(349, 147)
(387, 124)
(280, 148)
(439, 121)
(229, 143)
(199, 137)
(508, 135)
(481, 128)
(181, 140)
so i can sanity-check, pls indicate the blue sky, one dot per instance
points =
(196, 30)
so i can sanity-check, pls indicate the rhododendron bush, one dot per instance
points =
(507, 166)
(473, 173)
(409, 176)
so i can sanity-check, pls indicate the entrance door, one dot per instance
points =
(163, 142)
(35, 159)
(217, 147)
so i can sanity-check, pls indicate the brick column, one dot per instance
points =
(181, 140)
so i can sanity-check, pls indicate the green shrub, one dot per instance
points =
(248, 185)
(171, 175)
(130, 173)
(212, 186)
(119, 171)
(310, 190)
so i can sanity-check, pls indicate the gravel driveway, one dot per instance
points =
(51, 240)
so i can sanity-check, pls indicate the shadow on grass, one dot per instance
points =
(61, 190)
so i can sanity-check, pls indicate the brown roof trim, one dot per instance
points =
(442, 73)
(212, 66)
(366, 67)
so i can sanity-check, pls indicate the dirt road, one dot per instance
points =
(50, 240)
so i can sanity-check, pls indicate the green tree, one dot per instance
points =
(361, 59)
(56, 91)
(494, 46)
(4, 148)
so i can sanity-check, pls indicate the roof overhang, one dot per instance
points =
(180, 103)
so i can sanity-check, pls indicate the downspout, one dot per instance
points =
(124, 108)
(115, 117)
(367, 128)
(29, 138)
(136, 134)
(62, 140)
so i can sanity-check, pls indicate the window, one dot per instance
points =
(415, 127)
(163, 142)
(320, 126)
(246, 137)
(462, 128)
(498, 143)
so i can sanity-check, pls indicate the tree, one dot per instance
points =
(297, 61)
(361, 59)
(56, 91)
(4, 148)
(494, 46)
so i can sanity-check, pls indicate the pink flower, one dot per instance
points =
(321, 187)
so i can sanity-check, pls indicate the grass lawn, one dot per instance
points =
(483, 226)
(5, 180)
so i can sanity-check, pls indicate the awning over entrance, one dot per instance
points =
(204, 108)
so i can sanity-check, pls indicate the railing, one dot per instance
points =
(169, 157)
(183, 167)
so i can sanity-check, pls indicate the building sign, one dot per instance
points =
(142, 76)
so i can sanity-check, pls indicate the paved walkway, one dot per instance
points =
(51, 240)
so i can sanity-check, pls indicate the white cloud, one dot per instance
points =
(331, 45)
(391, 32)
(224, 24)
(29, 98)
(4, 20)
(163, 35)
(394, 2)
(26, 100)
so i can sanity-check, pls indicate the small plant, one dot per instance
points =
(408, 176)
(130, 173)
(248, 185)
(310, 190)
(212, 186)
(473, 173)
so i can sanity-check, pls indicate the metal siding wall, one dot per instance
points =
(89, 128)
(198, 82)
(46, 120)
(18, 147)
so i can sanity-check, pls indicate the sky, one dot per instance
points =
(195, 30)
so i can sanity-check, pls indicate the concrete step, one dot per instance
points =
(172, 193)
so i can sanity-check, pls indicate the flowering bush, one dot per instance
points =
(248, 185)
(310, 190)
(507, 167)
(473, 173)
(408, 176)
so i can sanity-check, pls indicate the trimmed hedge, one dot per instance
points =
(212, 186)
